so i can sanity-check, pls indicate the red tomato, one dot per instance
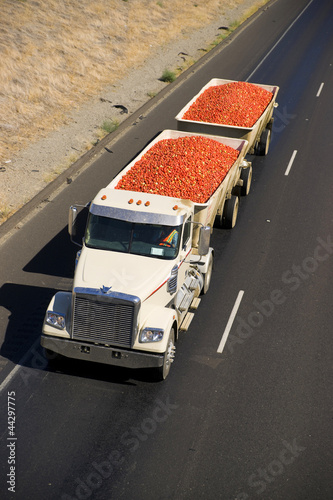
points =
(187, 167)
(236, 103)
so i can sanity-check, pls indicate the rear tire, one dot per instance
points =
(230, 212)
(270, 124)
(246, 177)
(263, 145)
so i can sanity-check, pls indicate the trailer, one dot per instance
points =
(222, 206)
(258, 136)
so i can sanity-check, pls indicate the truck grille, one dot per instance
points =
(104, 318)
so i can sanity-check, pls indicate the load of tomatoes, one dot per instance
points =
(236, 103)
(190, 167)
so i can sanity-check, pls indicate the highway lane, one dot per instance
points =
(47, 260)
(253, 421)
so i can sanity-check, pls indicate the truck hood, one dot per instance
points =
(125, 273)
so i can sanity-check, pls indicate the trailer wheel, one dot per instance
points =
(270, 123)
(246, 176)
(230, 212)
(208, 275)
(263, 146)
(169, 355)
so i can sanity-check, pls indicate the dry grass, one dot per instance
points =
(57, 54)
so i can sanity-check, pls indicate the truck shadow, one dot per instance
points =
(56, 258)
(96, 371)
(27, 306)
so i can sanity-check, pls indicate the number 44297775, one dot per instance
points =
(11, 413)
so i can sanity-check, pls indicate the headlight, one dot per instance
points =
(56, 320)
(151, 335)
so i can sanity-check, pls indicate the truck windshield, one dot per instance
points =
(151, 240)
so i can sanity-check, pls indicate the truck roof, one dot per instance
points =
(140, 207)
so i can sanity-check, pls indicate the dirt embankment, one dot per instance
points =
(59, 56)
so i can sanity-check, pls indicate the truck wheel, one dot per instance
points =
(246, 176)
(263, 146)
(230, 212)
(208, 275)
(169, 355)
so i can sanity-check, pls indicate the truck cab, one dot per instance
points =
(143, 264)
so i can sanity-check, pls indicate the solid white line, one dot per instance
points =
(9, 377)
(320, 89)
(230, 321)
(12, 374)
(291, 162)
(279, 40)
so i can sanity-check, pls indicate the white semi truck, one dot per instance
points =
(132, 297)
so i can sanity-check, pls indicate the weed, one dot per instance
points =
(234, 25)
(5, 213)
(51, 176)
(110, 126)
(252, 10)
(168, 76)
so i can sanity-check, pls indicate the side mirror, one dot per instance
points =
(77, 220)
(204, 239)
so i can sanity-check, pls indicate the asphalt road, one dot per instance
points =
(251, 421)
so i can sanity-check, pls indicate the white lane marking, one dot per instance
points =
(279, 40)
(291, 162)
(320, 89)
(230, 321)
(14, 371)
(9, 377)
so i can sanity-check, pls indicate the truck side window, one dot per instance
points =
(187, 232)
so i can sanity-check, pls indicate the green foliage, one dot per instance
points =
(110, 126)
(168, 76)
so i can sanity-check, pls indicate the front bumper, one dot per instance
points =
(126, 358)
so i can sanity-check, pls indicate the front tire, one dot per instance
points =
(169, 355)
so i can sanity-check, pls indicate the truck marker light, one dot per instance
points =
(104, 197)
(147, 203)
(175, 207)
(139, 202)
(130, 201)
